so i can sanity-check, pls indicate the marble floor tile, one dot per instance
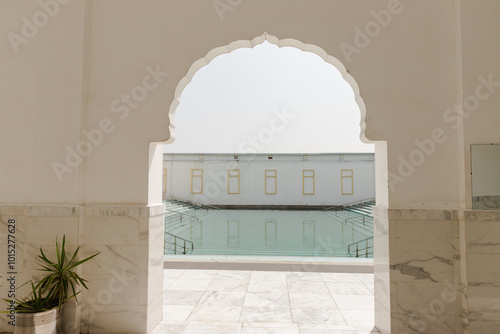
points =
(198, 274)
(354, 302)
(341, 277)
(271, 325)
(196, 329)
(168, 329)
(222, 298)
(309, 287)
(303, 277)
(167, 282)
(365, 278)
(268, 330)
(268, 275)
(317, 316)
(176, 314)
(173, 273)
(181, 297)
(233, 274)
(233, 285)
(190, 284)
(267, 299)
(333, 331)
(267, 286)
(249, 302)
(309, 300)
(266, 314)
(347, 288)
(361, 320)
(211, 313)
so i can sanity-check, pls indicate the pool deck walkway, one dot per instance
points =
(265, 302)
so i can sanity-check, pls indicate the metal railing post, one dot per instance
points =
(175, 245)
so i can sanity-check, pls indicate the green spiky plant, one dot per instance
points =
(58, 285)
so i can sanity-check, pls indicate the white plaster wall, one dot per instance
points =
(66, 77)
(289, 179)
(128, 36)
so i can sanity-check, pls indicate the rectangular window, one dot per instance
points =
(271, 181)
(233, 181)
(196, 181)
(308, 181)
(164, 188)
(347, 181)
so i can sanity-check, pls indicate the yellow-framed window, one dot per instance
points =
(233, 181)
(347, 181)
(271, 181)
(164, 188)
(196, 181)
(308, 187)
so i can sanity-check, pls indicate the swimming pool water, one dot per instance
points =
(265, 232)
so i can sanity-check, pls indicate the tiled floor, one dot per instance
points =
(264, 302)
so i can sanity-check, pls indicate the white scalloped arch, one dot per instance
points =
(289, 42)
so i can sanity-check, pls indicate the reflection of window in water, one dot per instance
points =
(196, 233)
(233, 234)
(271, 230)
(309, 233)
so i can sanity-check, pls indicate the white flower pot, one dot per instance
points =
(48, 322)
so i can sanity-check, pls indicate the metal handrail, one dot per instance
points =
(368, 250)
(195, 204)
(350, 203)
(183, 214)
(175, 243)
(358, 219)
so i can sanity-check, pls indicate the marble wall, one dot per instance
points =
(125, 279)
(482, 240)
(417, 271)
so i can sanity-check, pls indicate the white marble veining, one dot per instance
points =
(312, 301)
(484, 303)
(267, 299)
(317, 316)
(422, 214)
(222, 298)
(482, 237)
(204, 309)
(235, 285)
(430, 266)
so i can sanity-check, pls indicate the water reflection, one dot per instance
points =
(263, 232)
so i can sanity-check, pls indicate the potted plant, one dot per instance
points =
(40, 310)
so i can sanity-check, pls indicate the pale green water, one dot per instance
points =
(264, 232)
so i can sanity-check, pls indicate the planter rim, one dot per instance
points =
(38, 318)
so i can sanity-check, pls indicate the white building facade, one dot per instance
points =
(246, 180)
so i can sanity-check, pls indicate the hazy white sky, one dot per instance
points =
(267, 100)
